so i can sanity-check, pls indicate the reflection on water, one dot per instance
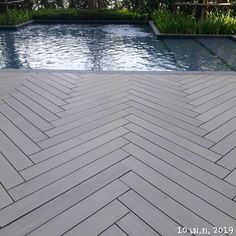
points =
(105, 47)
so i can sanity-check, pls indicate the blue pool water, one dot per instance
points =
(111, 47)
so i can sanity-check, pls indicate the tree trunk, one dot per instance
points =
(91, 4)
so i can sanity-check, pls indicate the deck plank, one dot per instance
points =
(114, 230)
(61, 171)
(134, 226)
(151, 215)
(25, 126)
(98, 222)
(4, 197)
(9, 177)
(51, 209)
(81, 211)
(17, 136)
(28, 114)
(116, 153)
(207, 211)
(13, 154)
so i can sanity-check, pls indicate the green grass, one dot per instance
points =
(180, 23)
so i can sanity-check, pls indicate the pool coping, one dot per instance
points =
(17, 27)
(119, 72)
(153, 27)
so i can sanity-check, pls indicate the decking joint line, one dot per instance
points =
(64, 176)
(162, 160)
(172, 197)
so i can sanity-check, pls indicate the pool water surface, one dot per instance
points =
(112, 47)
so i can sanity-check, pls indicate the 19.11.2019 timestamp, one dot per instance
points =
(205, 230)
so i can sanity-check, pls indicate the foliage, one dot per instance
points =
(142, 6)
(218, 23)
(14, 17)
(168, 22)
(85, 14)
(180, 23)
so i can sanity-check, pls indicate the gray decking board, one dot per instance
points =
(89, 111)
(172, 137)
(165, 97)
(53, 162)
(172, 128)
(231, 178)
(165, 110)
(134, 226)
(165, 106)
(155, 218)
(40, 99)
(49, 88)
(28, 114)
(108, 95)
(180, 194)
(82, 210)
(98, 90)
(114, 230)
(58, 205)
(17, 136)
(25, 126)
(169, 150)
(47, 78)
(170, 207)
(205, 85)
(14, 155)
(167, 118)
(111, 130)
(82, 129)
(226, 144)
(229, 160)
(195, 187)
(175, 162)
(215, 102)
(9, 177)
(73, 124)
(61, 171)
(98, 222)
(116, 153)
(217, 110)
(44, 195)
(208, 90)
(51, 97)
(214, 94)
(222, 131)
(83, 108)
(5, 199)
(38, 109)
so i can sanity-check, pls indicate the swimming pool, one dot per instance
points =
(112, 47)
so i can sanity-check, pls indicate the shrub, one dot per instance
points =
(171, 23)
(14, 17)
(180, 23)
(85, 14)
(218, 23)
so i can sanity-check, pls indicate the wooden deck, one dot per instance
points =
(116, 154)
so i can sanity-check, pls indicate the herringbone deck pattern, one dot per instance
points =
(116, 153)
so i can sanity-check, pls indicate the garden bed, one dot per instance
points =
(166, 22)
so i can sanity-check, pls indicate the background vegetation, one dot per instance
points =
(166, 16)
